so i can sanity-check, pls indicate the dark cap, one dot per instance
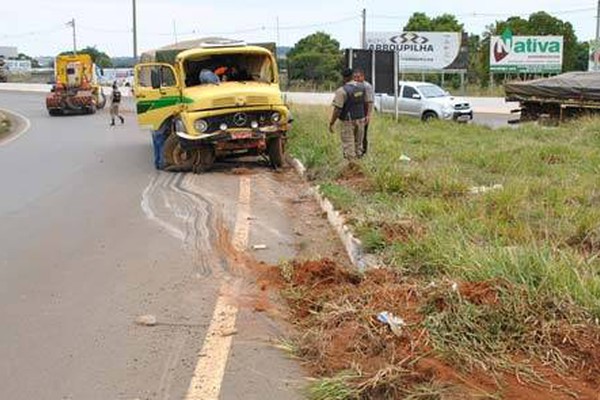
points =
(347, 73)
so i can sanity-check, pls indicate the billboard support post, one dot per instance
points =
(396, 88)
(373, 69)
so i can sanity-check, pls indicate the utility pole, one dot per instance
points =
(278, 37)
(364, 28)
(598, 23)
(135, 51)
(175, 31)
(71, 23)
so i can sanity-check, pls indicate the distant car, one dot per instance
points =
(426, 101)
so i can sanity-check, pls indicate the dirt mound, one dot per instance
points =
(402, 231)
(339, 317)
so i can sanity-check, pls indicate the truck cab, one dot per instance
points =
(76, 89)
(214, 101)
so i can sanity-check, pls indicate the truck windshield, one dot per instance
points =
(432, 91)
(228, 68)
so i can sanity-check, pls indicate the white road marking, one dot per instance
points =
(15, 136)
(210, 370)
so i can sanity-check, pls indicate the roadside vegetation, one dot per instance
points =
(4, 124)
(491, 239)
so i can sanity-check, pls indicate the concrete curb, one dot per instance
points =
(353, 245)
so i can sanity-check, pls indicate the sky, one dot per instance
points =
(38, 27)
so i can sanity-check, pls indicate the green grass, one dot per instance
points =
(538, 233)
(541, 230)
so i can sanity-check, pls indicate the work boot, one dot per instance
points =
(122, 120)
(112, 122)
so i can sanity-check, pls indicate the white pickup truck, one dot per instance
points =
(426, 101)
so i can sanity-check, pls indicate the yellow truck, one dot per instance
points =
(76, 89)
(217, 99)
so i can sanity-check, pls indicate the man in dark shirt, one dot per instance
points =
(115, 101)
(349, 108)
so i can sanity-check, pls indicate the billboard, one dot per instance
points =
(381, 63)
(526, 54)
(594, 63)
(423, 50)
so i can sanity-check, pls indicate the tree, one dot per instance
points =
(316, 58)
(34, 63)
(583, 56)
(100, 58)
(420, 22)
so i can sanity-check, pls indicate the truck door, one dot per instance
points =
(157, 93)
(410, 101)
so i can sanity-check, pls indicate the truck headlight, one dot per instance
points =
(275, 117)
(254, 124)
(201, 125)
(223, 127)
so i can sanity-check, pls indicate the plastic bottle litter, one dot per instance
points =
(259, 247)
(395, 323)
(485, 189)
(404, 158)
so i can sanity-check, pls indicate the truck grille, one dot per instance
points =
(462, 106)
(233, 120)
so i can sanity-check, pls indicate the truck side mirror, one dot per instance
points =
(416, 96)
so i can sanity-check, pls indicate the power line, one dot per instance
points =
(232, 32)
(497, 15)
(34, 33)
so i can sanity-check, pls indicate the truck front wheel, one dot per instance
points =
(175, 157)
(275, 148)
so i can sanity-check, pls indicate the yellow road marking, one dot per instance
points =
(210, 370)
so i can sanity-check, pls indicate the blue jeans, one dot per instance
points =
(158, 142)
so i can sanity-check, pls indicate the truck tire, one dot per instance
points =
(429, 116)
(54, 112)
(275, 149)
(177, 159)
(205, 159)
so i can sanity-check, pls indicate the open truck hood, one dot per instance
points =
(231, 95)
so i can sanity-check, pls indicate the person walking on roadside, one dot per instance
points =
(349, 107)
(115, 101)
(359, 76)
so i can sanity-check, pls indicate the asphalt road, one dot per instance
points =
(92, 237)
(494, 120)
